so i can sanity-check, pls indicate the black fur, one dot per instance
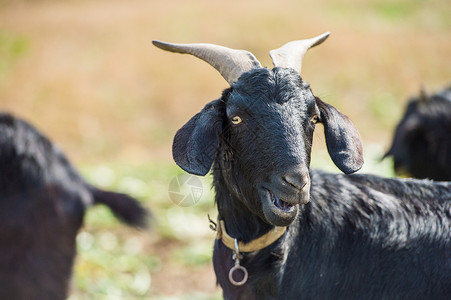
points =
(42, 203)
(361, 237)
(421, 145)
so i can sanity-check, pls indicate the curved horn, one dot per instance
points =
(290, 55)
(230, 63)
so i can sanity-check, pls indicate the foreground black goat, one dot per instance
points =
(360, 237)
(421, 145)
(42, 204)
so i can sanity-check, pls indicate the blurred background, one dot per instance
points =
(86, 74)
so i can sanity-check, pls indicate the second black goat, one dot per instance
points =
(421, 146)
(42, 203)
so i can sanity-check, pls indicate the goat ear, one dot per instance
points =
(342, 139)
(195, 144)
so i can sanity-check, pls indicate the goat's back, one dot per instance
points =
(366, 237)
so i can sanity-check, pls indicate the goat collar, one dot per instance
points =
(254, 245)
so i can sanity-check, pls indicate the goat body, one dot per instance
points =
(42, 204)
(360, 237)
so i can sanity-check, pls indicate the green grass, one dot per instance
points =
(116, 262)
(12, 47)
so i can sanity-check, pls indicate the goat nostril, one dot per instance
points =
(297, 181)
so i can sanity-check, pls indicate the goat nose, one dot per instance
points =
(296, 179)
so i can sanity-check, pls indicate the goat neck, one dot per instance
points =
(240, 222)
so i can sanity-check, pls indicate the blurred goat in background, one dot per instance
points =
(421, 145)
(42, 203)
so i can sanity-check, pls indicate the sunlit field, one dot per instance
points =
(86, 74)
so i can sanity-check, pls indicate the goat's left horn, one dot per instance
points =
(231, 63)
(290, 55)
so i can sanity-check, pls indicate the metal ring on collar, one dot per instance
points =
(236, 268)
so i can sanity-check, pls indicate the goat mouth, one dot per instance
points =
(277, 211)
(280, 204)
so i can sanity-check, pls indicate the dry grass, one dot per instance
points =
(91, 79)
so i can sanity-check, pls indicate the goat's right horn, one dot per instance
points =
(290, 55)
(231, 63)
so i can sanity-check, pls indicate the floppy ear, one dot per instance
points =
(342, 139)
(195, 144)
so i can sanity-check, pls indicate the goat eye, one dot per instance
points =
(236, 120)
(314, 119)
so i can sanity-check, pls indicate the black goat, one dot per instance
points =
(421, 145)
(42, 203)
(360, 237)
